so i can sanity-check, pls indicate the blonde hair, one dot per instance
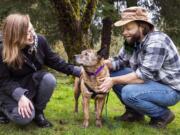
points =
(14, 36)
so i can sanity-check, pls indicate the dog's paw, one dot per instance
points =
(85, 123)
(98, 123)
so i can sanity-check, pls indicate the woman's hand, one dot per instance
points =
(25, 107)
(106, 85)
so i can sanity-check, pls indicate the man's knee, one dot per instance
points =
(17, 118)
(121, 72)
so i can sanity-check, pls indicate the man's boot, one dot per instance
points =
(163, 121)
(130, 116)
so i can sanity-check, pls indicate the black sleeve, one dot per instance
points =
(54, 61)
(6, 82)
(7, 85)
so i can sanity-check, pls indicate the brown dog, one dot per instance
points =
(93, 70)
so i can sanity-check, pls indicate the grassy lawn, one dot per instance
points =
(60, 112)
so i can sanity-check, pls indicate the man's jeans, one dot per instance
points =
(150, 98)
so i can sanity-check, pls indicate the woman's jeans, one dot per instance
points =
(46, 87)
(150, 98)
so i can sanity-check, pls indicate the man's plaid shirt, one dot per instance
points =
(155, 58)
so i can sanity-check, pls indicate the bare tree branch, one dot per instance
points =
(76, 6)
(88, 14)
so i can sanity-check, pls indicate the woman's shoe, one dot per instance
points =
(41, 121)
(3, 118)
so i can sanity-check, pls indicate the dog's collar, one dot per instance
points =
(97, 71)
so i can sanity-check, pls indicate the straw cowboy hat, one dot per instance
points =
(133, 14)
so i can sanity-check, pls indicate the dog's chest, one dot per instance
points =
(92, 82)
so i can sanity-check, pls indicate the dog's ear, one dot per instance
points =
(102, 53)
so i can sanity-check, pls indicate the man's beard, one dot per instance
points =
(134, 39)
(130, 44)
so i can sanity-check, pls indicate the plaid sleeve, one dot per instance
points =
(152, 60)
(121, 60)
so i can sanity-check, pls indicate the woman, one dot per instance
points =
(25, 88)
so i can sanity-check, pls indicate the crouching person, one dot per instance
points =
(146, 75)
(25, 88)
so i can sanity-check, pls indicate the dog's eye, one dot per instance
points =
(86, 54)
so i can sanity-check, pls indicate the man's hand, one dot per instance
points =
(25, 107)
(108, 63)
(106, 85)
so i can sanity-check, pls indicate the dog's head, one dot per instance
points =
(90, 57)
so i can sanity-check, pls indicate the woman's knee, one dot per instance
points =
(17, 118)
(49, 80)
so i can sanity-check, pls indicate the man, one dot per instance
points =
(146, 73)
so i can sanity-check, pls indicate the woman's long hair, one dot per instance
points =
(14, 36)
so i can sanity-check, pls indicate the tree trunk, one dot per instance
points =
(74, 42)
(74, 24)
(106, 35)
(131, 3)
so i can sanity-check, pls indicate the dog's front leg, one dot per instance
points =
(99, 108)
(85, 105)
(77, 93)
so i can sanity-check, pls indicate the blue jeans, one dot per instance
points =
(150, 98)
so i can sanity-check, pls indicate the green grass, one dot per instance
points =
(60, 112)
